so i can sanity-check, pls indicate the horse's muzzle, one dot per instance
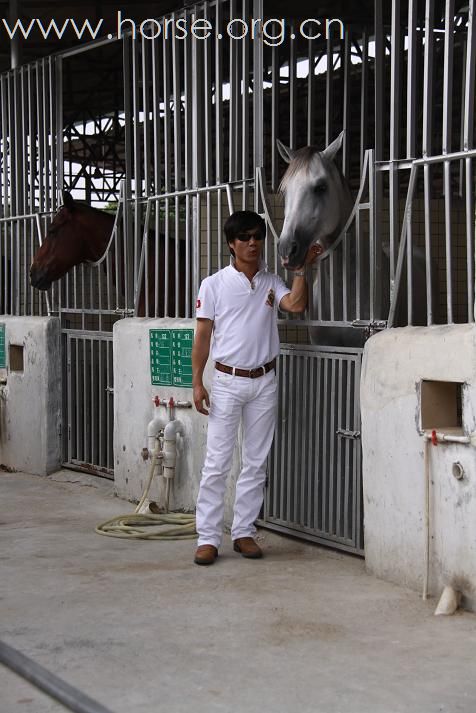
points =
(39, 279)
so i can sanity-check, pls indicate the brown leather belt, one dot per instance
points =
(250, 373)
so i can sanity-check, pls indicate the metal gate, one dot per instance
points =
(314, 486)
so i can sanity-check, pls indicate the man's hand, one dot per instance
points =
(200, 394)
(313, 253)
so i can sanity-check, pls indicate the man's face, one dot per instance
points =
(249, 250)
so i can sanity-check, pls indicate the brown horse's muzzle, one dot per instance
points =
(39, 278)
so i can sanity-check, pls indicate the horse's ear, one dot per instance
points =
(68, 200)
(286, 153)
(333, 147)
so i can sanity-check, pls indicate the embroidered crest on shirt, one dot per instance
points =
(198, 304)
(270, 299)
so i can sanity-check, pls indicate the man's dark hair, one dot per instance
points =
(241, 222)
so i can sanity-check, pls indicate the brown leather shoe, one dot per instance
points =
(205, 554)
(247, 547)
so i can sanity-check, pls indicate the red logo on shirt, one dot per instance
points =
(197, 304)
(271, 298)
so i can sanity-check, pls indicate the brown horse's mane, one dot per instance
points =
(88, 206)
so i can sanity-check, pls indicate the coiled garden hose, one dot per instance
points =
(150, 526)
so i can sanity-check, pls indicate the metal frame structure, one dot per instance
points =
(195, 125)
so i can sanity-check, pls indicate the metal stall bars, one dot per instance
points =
(430, 69)
(99, 296)
(193, 137)
(28, 179)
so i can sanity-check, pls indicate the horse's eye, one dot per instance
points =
(320, 187)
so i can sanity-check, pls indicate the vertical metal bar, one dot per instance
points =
(332, 291)
(311, 99)
(69, 397)
(233, 101)
(109, 406)
(245, 102)
(324, 462)
(147, 163)
(86, 407)
(347, 447)
(101, 393)
(357, 489)
(218, 93)
(468, 143)
(219, 230)
(208, 231)
(258, 94)
(318, 469)
(311, 442)
(376, 194)
(290, 444)
(375, 260)
(59, 152)
(292, 90)
(364, 97)
(156, 116)
(296, 471)
(339, 445)
(379, 78)
(27, 309)
(426, 148)
(77, 402)
(446, 147)
(332, 440)
(329, 88)
(284, 381)
(137, 157)
(305, 439)
(395, 120)
(346, 103)
(127, 222)
(197, 98)
(411, 78)
(176, 74)
(274, 115)
(345, 277)
(46, 127)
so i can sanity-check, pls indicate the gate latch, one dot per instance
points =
(353, 435)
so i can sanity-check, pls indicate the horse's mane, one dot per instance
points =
(89, 207)
(300, 161)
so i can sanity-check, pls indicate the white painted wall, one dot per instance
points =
(134, 408)
(395, 361)
(30, 407)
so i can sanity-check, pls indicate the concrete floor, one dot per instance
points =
(140, 628)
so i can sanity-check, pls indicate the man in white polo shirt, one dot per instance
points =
(238, 306)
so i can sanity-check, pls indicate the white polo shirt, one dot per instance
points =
(245, 333)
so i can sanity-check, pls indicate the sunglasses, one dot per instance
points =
(245, 237)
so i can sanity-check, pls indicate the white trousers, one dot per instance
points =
(234, 399)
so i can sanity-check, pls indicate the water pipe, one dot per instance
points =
(435, 437)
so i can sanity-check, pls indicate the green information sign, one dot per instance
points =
(3, 352)
(171, 357)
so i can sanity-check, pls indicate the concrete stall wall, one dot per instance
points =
(134, 409)
(395, 363)
(30, 403)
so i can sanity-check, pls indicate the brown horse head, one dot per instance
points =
(78, 233)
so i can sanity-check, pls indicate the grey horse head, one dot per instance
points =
(317, 201)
